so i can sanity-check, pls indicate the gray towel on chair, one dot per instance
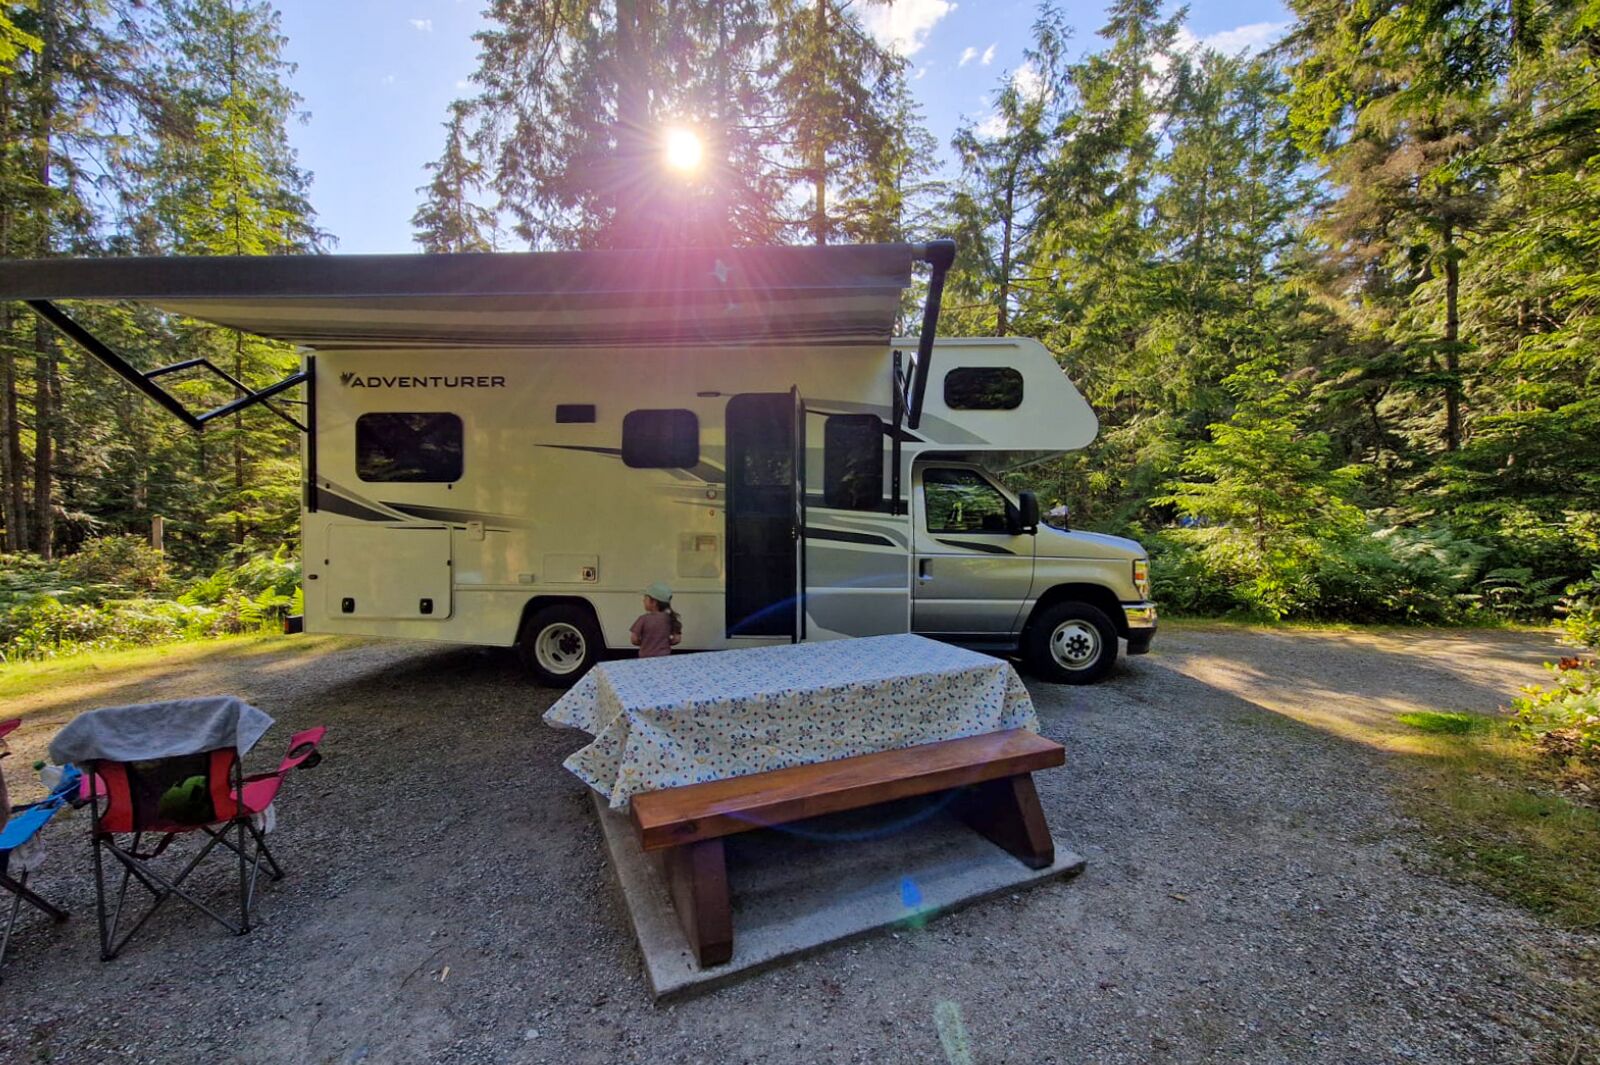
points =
(147, 731)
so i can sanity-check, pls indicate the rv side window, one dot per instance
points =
(852, 462)
(960, 501)
(409, 447)
(661, 439)
(983, 388)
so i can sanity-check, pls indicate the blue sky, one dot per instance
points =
(377, 76)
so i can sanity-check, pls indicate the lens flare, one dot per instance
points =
(682, 150)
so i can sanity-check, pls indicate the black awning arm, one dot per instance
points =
(145, 382)
(939, 254)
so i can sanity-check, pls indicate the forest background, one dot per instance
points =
(1336, 304)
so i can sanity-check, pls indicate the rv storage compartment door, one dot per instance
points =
(383, 571)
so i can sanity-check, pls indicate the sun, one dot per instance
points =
(682, 150)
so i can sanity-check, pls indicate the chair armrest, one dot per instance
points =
(302, 750)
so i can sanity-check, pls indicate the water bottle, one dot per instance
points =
(49, 775)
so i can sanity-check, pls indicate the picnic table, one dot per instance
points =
(702, 747)
(688, 719)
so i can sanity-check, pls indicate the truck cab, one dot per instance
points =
(989, 575)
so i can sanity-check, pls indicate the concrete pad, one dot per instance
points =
(808, 885)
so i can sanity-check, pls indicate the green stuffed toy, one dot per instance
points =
(188, 803)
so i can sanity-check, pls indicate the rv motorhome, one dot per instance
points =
(506, 449)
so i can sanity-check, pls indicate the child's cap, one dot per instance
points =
(659, 592)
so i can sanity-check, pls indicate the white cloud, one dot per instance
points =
(903, 27)
(1030, 85)
(422, 25)
(967, 55)
(387, 79)
(988, 54)
(1251, 38)
(1241, 40)
(921, 73)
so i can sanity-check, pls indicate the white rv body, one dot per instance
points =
(546, 510)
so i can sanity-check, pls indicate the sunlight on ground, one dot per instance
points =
(1355, 684)
(31, 687)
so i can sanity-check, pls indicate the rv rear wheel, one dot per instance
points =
(1071, 643)
(559, 644)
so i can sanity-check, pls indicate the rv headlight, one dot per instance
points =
(1141, 577)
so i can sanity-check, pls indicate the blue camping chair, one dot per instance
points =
(25, 823)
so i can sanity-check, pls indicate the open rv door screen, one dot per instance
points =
(835, 296)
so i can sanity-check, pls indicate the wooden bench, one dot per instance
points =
(688, 824)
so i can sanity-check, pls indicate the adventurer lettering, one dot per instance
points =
(351, 380)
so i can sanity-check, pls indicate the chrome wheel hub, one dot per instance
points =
(1075, 645)
(560, 648)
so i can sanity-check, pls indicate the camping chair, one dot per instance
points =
(158, 771)
(18, 832)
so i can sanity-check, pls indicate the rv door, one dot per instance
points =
(799, 513)
(855, 557)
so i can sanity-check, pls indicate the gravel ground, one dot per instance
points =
(1250, 896)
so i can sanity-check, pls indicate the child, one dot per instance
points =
(658, 629)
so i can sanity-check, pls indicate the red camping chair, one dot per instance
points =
(173, 796)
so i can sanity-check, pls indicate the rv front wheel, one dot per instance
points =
(559, 644)
(1071, 643)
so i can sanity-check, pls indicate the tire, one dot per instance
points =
(1071, 643)
(559, 643)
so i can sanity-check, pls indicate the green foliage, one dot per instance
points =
(1564, 717)
(13, 42)
(121, 562)
(1388, 576)
(1581, 608)
(1449, 724)
(92, 601)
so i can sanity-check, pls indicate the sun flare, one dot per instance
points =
(682, 150)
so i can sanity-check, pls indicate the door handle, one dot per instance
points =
(925, 569)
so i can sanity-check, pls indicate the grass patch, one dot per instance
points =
(1450, 724)
(1500, 819)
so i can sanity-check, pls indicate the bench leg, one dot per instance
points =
(697, 876)
(1007, 812)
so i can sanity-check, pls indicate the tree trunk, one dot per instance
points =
(44, 339)
(16, 500)
(44, 429)
(1002, 318)
(819, 149)
(1452, 336)
(12, 503)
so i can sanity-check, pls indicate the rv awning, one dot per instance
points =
(833, 295)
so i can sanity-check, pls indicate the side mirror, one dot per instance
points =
(1029, 505)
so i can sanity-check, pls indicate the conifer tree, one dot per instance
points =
(230, 186)
(451, 219)
(993, 213)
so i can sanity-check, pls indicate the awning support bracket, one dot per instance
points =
(939, 254)
(898, 411)
(145, 381)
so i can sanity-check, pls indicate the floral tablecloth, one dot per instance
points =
(686, 719)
